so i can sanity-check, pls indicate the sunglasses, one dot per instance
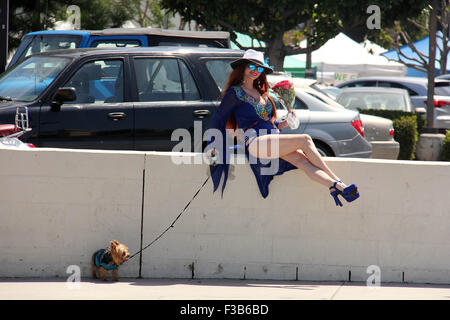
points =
(252, 67)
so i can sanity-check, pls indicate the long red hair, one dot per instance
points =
(235, 78)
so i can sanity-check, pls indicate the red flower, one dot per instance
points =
(285, 85)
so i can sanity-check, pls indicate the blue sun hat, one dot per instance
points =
(255, 57)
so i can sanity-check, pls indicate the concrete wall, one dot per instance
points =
(57, 207)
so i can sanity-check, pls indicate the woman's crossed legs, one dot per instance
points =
(298, 149)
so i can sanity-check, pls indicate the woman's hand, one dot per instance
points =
(211, 152)
(211, 155)
(283, 124)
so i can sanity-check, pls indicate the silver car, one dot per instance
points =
(335, 131)
(378, 131)
(417, 89)
(331, 91)
(377, 98)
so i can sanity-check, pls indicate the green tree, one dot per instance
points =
(268, 21)
(434, 17)
(388, 39)
(148, 13)
(26, 16)
(411, 30)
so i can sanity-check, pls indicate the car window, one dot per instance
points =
(331, 92)
(361, 84)
(442, 88)
(123, 43)
(317, 97)
(158, 79)
(44, 43)
(299, 104)
(387, 84)
(372, 100)
(21, 51)
(99, 81)
(190, 89)
(192, 43)
(167, 40)
(219, 70)
(352, 101)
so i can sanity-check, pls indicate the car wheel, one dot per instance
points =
(323, 149)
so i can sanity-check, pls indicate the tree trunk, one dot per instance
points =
(308, 66)
(36, 19)
(431, 65)
(275, 53)
(443, 63)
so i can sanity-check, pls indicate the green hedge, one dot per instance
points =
(406, 131)
(406, 135)
(445, 153)
(397, 114)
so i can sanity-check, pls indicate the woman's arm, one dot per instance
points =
(218, 122)
(221, 115)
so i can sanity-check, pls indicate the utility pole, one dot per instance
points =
(4, 27)
(431, 65)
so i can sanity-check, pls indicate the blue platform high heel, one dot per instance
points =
(350, 193)
(334, 191)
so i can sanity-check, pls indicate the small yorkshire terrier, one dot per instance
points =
(109, 259)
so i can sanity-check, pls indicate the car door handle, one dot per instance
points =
(201, 113)
(116, 116)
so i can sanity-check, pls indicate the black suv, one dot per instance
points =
(128, 99)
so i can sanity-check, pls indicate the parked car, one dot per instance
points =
(331, 91)
(44, 41)
(377, 98)
(417, 89)
(377, 130)
(122, 98)
(443, 76)
(336, 132)
(134, 98)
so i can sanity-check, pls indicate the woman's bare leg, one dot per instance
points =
(288, 146)
(298, 159)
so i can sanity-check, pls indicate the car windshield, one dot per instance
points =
(332, 92)
(43, 43)
(27, 80)
(372, 100)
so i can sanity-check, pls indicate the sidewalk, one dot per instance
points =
(215, 289)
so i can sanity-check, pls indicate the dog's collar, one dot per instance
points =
(104, 259)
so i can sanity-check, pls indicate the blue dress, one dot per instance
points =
(252, 116)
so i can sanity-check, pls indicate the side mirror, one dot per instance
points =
(62, 95)
(421, 110)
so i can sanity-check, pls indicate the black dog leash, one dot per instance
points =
(172, 224)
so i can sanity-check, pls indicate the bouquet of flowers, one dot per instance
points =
(285, 91)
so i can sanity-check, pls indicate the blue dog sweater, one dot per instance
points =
(103, 258)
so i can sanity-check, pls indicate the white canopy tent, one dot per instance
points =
(372, 47)
(341, 59)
